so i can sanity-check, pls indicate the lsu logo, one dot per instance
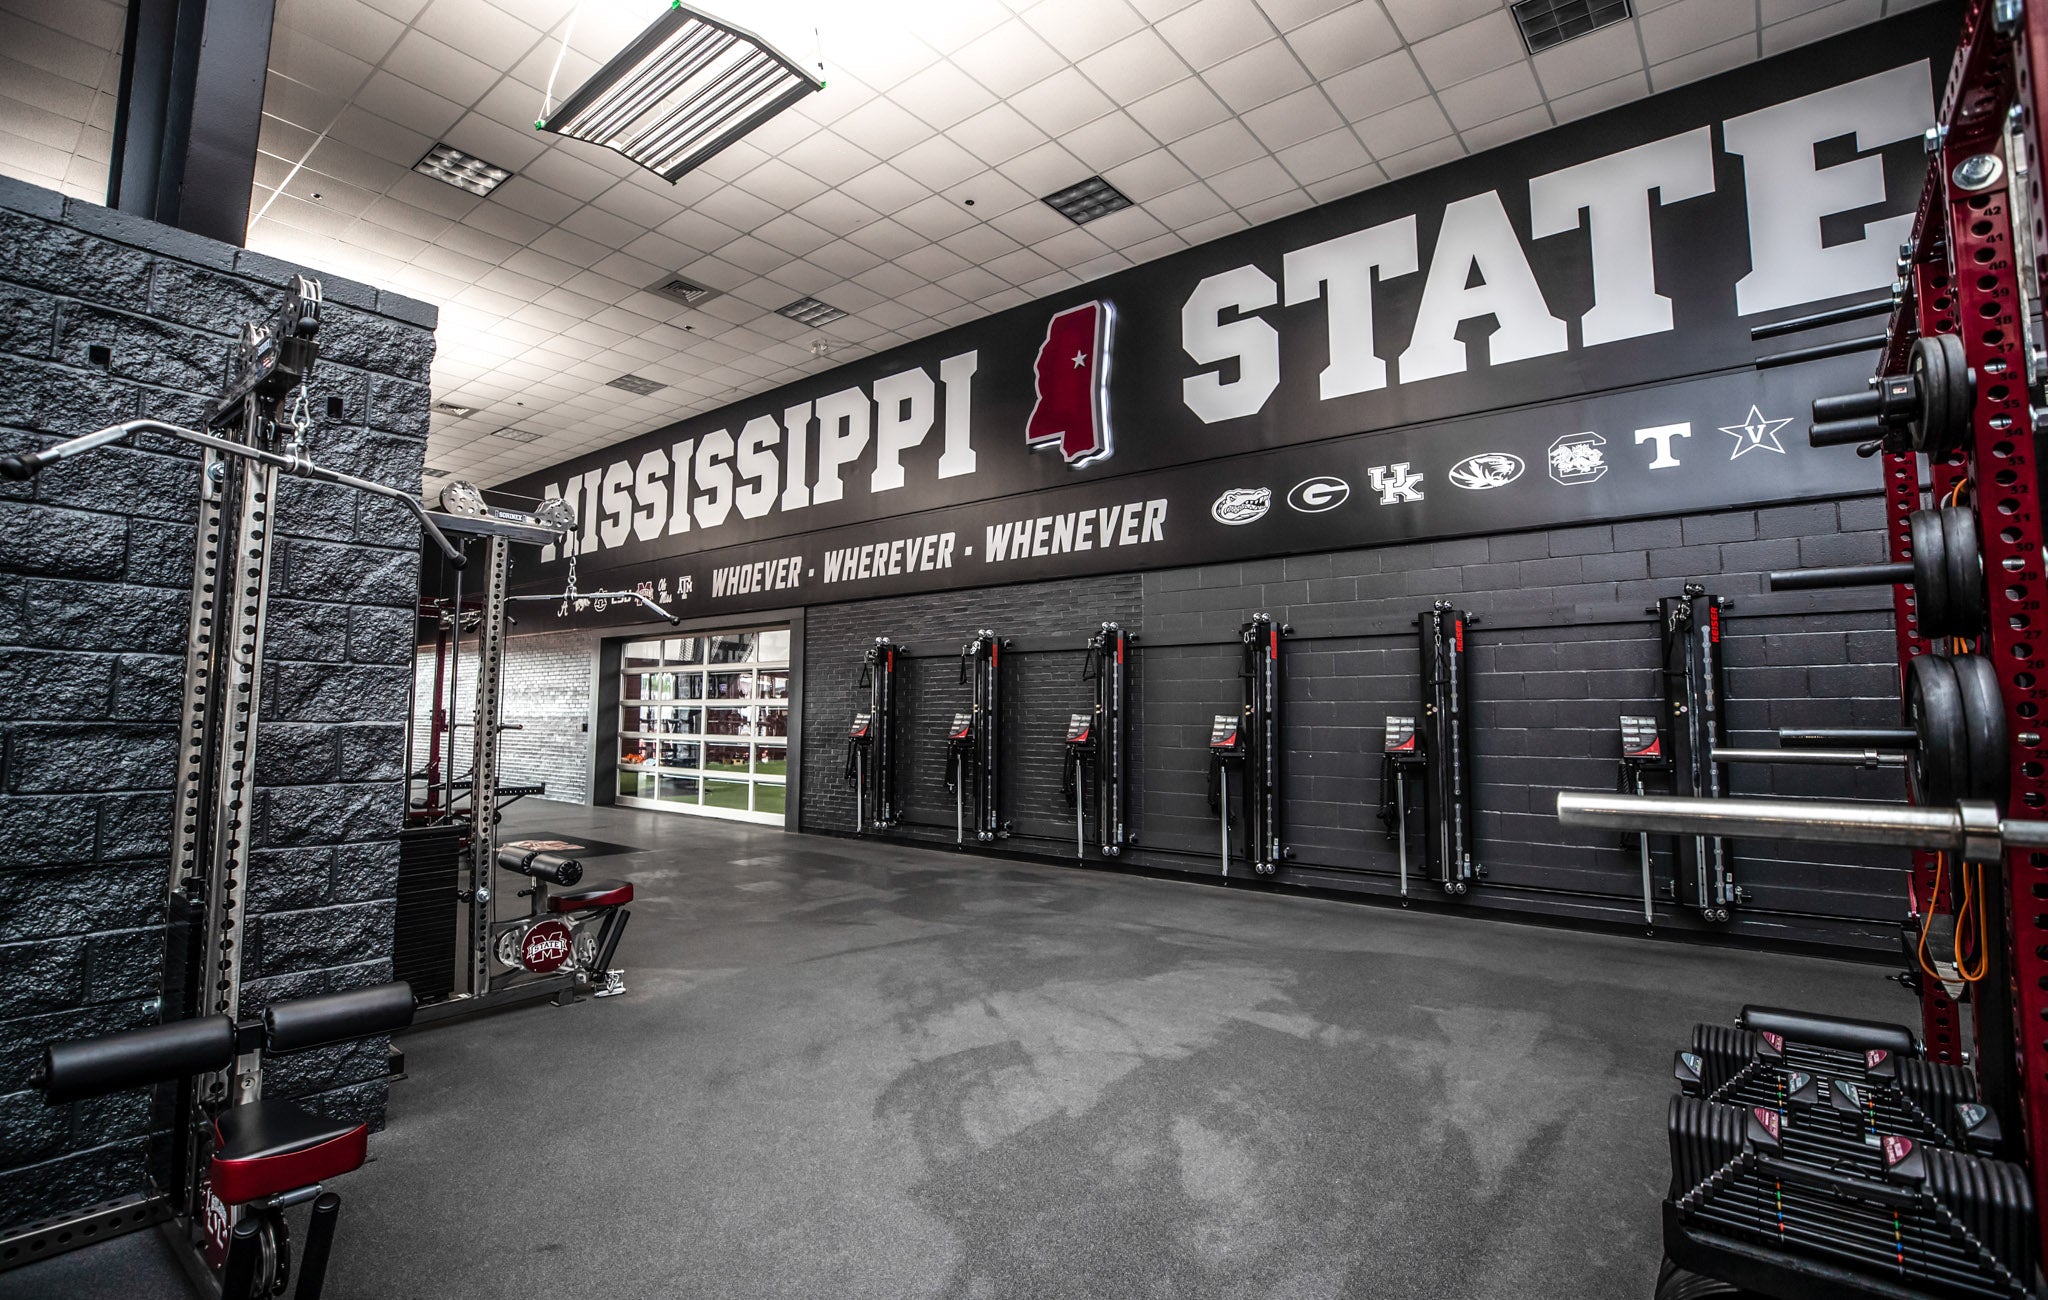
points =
(1072, 410)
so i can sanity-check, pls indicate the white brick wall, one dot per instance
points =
(549, 679)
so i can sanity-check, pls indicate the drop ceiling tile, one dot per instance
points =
(1258, 76)
(1702, 63)
(881, 128)
(697, 231)
(1337, 187)
(1187, 207)
(1126, 229)
(1468, 50)
(345, 162)
(1062, 102)
(1598, 99)
(496, 219)
(887, 238)
(942, 95)
(411, 106)
(780, 185)
(999, 132)
(293, 54)
(1814, 25)
(1045, 170)
(1503, 130)
(1162, 246)
(1047, 285)
(979, 244)
(1261, 178)
(1276, 207)
(880, 58)
(988, 195)
(569, 247)
(829, 157)
(754, 255)
(434, 196)
(1401, 129)
(801, 277)
(1145, 178)
(936, 217)
(935, 164)
(353, 29)
(379, 136)
(283, 98)
(551, 270)
(1179, 111)
(1344, 39)
(736, 208)
(891, 315)
(949, 26)
(1691, 25)
(478, 29)
(1300, 116)
(886, 189)
(837, 213)
(1325, 156)
(1020, 266)
(602, 228)
(1079, 30)
(1589, 60)
(663, 251)
(446, 261)
(636, 204)
(493, 142)
(1218, 149)
(1135, 66)
(1286, 15)
(1108, 140)
(1009, 58)
(1210, 31)
(445, 71)
(727, 165)
(932, 263)
(1434, 154)
(1492, 95)
(1420, 18)
(1031, 223)
(500, 280)
(792, 234)
(276, 137)
(889, 280)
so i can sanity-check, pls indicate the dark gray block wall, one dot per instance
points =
(1562, 648)
(93, 596)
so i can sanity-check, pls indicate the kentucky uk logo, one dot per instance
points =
(1072, 410)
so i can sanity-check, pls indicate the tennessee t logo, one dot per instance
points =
(1072, 410)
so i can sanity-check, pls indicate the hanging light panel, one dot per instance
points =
(686, 88)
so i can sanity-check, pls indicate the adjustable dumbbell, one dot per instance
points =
(1947, 573)
(1927, 409)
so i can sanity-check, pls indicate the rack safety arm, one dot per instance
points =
(26, 464)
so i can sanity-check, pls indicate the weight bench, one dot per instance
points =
(556, 931)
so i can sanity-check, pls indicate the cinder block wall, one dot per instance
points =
(1562, 648)
(92, 627)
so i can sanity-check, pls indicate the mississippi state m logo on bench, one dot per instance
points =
(1072, 410)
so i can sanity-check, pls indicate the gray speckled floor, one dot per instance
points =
(851, 1069)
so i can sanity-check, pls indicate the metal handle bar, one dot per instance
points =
(1845, 575)
(1831, 737)
(645, 601)
(1972, 828)
(1870, 758)
(26, 464)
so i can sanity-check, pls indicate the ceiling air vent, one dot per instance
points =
(638, 384)
(811, 312)
(456, 409)
(449, 165)
(1545, 23)
(1082, 203)
(684, 292)
(431, 472)
(510, 434)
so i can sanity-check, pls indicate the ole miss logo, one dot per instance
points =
(1072, 369)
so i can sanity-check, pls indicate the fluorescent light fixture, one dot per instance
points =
(456, 409)
(446, 163)
(1545, 23)
(431, 472)
(686, 88)
(637, 384)
(811, 312)
(510, 434)
(1092, 198)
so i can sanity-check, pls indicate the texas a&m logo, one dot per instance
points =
(1072, 410)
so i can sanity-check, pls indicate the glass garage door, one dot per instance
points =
(704, 724)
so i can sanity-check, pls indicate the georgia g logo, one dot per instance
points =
(1072, 369)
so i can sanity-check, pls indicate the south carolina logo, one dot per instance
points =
(1072, 410)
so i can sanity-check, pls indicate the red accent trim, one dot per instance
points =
(1406, 745)
(1458, 634)
(615, 897)
(1274, 653)
(237, 1182)
(1119, 649)
(1713, 624)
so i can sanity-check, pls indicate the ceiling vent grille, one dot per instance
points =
(431, 472)
(682, 291)
(1546, 23)
(456, 409)
(510, 434)
(811, 312)
(1082, 203)
(640, 385)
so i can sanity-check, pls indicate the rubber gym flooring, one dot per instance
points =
(861, 1070)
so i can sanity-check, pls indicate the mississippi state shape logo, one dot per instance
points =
(1072, 410)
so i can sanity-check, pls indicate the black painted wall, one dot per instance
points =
(1563, 647)
(93, 593)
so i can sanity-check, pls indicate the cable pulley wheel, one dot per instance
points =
(1963, 566)
(1939, 770)
(1983, 728)
(1931, 602)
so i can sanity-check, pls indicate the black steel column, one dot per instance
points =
(192, 74)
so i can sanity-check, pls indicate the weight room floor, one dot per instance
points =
(856, 1069)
